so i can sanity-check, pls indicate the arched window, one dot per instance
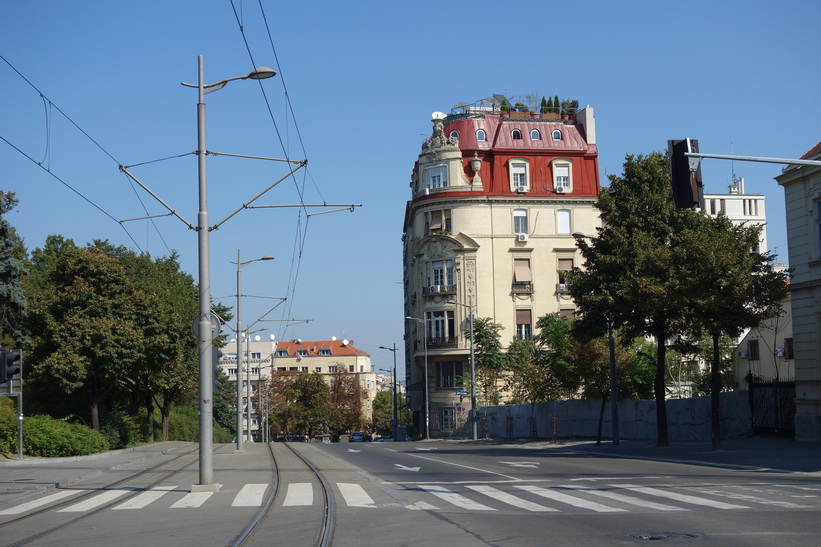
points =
(517, 135)
(535, 135)
(557, 135)
(454, 134)
(481, 135)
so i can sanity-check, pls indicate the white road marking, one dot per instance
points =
(45, 500)
(669, 494)
(626, 499)
(569, 500)
(192, 500)
(533, 465)
(423, 506)
(250, 495)
(508, 498)
(106, 496)
(149, 496)
(403, 468)
(355, 495)
(456, 499)
(299, 493)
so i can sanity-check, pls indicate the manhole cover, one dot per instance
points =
(664, 536)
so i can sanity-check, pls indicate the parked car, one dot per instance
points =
(357, 437)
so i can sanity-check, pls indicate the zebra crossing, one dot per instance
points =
(474, 498)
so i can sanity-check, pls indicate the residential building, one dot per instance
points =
(740, 208)
(262, 358)
(766, 352)
(802, 196)
(488, 230)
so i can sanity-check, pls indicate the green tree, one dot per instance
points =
(490, 359)
(13, 304)
(382, 412)
(531, 378)
(345, 403)
(629, 279)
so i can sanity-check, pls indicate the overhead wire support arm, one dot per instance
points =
(787, 161)
(209, 152)
(259, 195)
(155, 196)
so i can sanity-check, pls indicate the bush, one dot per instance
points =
(121, 430)
(183, 425)
(44, 436)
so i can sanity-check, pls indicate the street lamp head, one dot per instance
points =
(579, 235)
(266, 257)
(261, 73)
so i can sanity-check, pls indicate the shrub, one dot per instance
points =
(121, 430)
(46, 437)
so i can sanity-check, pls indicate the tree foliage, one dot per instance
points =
(13, 304)
(490, 359)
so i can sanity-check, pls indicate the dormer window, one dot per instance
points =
(325, 352)
(557, 135)
(454, 135)
(517, 135)
(481, 135)
(535, 135)
(282, 353)
(302, 353)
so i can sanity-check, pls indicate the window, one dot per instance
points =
(436, 176)
(524, 326)
(789, 351)
(332, 368)
(519, 171)
(481, 135)
(519, 221)
(439, 272)
(256, 356)
(302, 353)
(281, 369)
(535, 135)
(318, 369)
(557, 135)
(293, 369)
(522, 279)
(438, 222)
(282, 353)
(303, 369)
(350, 368)
(567, 314)
(448, 419)
(517, 135)
(325, 352)
(454, 135)
(563, 224)
(232, 372)
(449, 371)
(752, 350)
(561, 177)
(442, 327)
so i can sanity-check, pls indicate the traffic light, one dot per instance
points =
(685, 173)
(10, 362)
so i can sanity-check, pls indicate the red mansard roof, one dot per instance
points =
(337, 347)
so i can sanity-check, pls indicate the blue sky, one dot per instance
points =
(357, 84)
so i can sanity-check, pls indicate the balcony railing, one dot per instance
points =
(439, 289)
(442, 342)
(522, 288)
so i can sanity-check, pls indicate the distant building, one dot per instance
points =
(802, 196)
(262, 358)
(495, 200)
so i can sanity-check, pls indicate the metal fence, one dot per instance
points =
(772, 407)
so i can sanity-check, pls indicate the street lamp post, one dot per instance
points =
(427, 392)
(204, 326)
(395, 411)
(240, 406)
(469, 306)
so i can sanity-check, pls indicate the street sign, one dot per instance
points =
(461, 393)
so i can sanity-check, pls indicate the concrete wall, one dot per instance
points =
(687, 419)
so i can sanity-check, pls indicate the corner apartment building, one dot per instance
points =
(495, 199)
(262, 358)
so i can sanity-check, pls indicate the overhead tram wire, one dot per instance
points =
(51, 104)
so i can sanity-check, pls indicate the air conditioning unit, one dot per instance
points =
(561, 189)
(562, 287)
(435, 288)
(521, 237)
(521, 189)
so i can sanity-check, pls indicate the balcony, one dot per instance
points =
(442, 342)
(439, 289)
(522, 288)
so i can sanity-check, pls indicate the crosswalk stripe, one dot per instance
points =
(101, 499)
(569, 500)
(626, 499)
(149, 496)
(668, 494)
(455, 499)
(45, 500)
(509, 499)
(299, 493)
(355, 495)
(250, 495)
(192, 500)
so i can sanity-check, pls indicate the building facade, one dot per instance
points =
(488, 231)
(262, 358)
(802, 196)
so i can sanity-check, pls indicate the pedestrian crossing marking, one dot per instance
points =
(615, 496)
(455, 499)
(45, 500)
(423, 506)
(355, 495)
(250, 495)
(569, 500)
(192, 500)
(149, 496)
(299, 493)
(668, 494)
(100, 499)
(509, 499)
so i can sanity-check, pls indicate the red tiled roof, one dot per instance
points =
(337, 347)
(814, 151)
